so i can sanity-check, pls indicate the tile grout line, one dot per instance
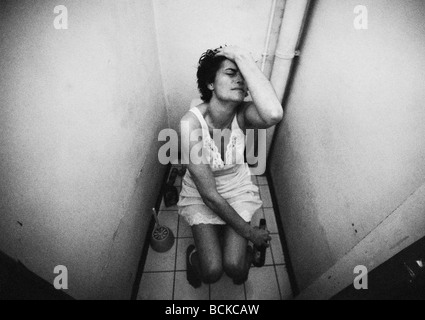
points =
(176, 252)
(277, 280)
(275, 270)
(153, 272)
(271, 251)
(184, 270)
(174, 275)
(273, 259)
(175, 257)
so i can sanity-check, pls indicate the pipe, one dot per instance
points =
(269, 31)
(290, 32)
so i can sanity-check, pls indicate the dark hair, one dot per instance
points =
(208, 66)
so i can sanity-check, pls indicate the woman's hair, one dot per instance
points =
(208, 66)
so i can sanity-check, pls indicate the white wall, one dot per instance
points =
(351, 148)
(187, 28)
(80, 110)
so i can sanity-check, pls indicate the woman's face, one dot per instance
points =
(229, 85)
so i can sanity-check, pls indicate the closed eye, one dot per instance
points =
(231, 71)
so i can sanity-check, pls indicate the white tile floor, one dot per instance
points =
(164, 274)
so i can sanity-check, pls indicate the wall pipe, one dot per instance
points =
(290, 32)
(269, 31)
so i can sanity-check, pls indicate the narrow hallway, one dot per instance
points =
(164, 274)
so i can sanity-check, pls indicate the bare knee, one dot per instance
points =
(235, 269)
(212, 273)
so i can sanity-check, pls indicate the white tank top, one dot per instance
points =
(234, 154)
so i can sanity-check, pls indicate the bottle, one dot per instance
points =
(260, 252)
(171, 194)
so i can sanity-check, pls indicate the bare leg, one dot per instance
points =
(208, 258)
(237, 257)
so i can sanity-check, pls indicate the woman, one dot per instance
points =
(218, 198)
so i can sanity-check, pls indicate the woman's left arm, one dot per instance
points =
(265, 109)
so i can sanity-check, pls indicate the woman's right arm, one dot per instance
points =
(205, 183)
